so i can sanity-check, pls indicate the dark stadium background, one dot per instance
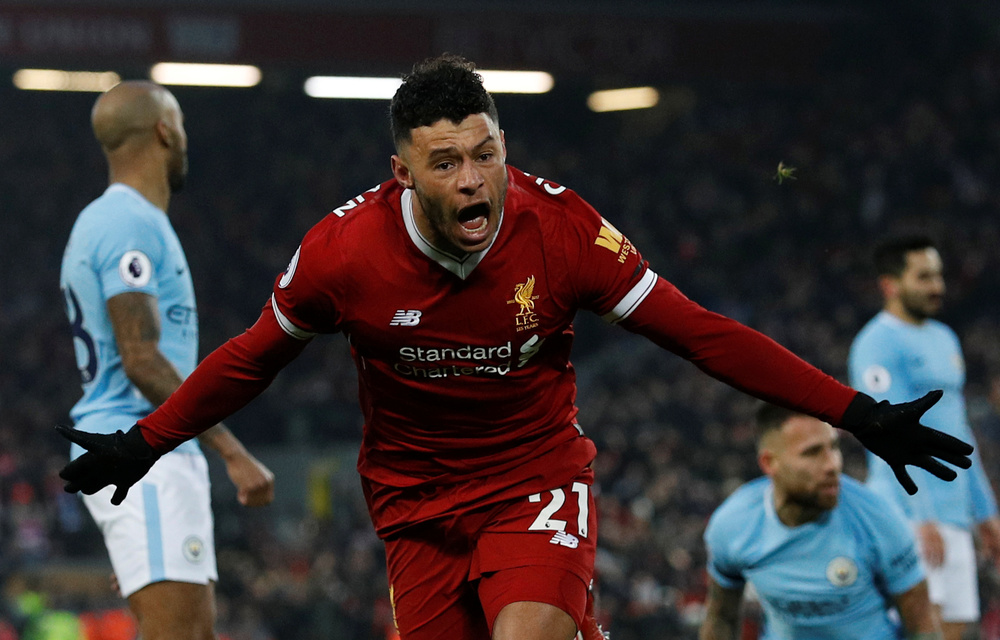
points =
(890, 111)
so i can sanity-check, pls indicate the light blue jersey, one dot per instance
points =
(897, 361)
(122, 243)
(830, 578)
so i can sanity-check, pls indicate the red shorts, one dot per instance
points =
(450, 577)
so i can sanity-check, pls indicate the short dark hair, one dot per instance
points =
(770, 417)
(443, 87)
(890, 255)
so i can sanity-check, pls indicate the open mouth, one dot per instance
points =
(474, 217)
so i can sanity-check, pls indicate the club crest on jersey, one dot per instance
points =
(842, 572)
(135, 269)
(524, 296)
(193, 549)
(286, 277)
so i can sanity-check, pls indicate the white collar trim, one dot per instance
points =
(460, 266)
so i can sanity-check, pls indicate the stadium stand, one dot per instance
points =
(899, 138)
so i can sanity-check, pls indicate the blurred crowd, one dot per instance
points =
(899, 140)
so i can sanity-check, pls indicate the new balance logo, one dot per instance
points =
(405, 318)
(565, 539)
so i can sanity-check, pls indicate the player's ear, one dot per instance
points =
(401, 172)
(162, 131)
(888, 286)
(766, 461)
(503, 145)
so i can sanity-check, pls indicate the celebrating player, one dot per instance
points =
(826, 556)
(902, 352)
(131, 304)
(456, 284)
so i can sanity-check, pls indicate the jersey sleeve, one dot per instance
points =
(982, 497)
(875, 367)
(984, 502)
(130, 252)
(304, 296)
(895, 546)
(736, 354)
(224, 382)
(724, 568)
(608, 275)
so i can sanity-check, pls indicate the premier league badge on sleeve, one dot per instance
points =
(135, 269)
(877, 379)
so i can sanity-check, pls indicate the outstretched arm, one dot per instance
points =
(753, 363)
(224, 382)
(136, 323)
(736, 354)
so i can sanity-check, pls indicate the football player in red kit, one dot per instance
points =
(456, 283)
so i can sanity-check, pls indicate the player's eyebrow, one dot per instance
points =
(452, 149)
(833, 442)
(813, 448)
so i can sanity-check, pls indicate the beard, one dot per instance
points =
(921, 307)
(814, 500)
(441, 219)
(177, 174)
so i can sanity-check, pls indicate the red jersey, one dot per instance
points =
(463, 362)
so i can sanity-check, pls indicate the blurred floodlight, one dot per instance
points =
(205, 75)
(351, 87)
(373, 88)
(623, 99)
(516, 81)
(56, 80)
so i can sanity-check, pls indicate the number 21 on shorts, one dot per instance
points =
(556, 499)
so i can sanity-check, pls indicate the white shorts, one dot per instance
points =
(164, 529)
(954, 585)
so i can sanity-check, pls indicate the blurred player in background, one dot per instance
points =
(826, 557)
(899, 355)
(135, 327)
(456, 284)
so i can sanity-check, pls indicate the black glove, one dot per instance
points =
(893, 432)
(119, 458)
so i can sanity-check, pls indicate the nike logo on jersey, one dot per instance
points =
(405, 318)
(565, 539)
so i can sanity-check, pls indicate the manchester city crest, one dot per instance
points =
(193, 549)
(842, 572)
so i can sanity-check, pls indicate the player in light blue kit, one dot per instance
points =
(131, 305)
(901, 353)
(826, 556)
